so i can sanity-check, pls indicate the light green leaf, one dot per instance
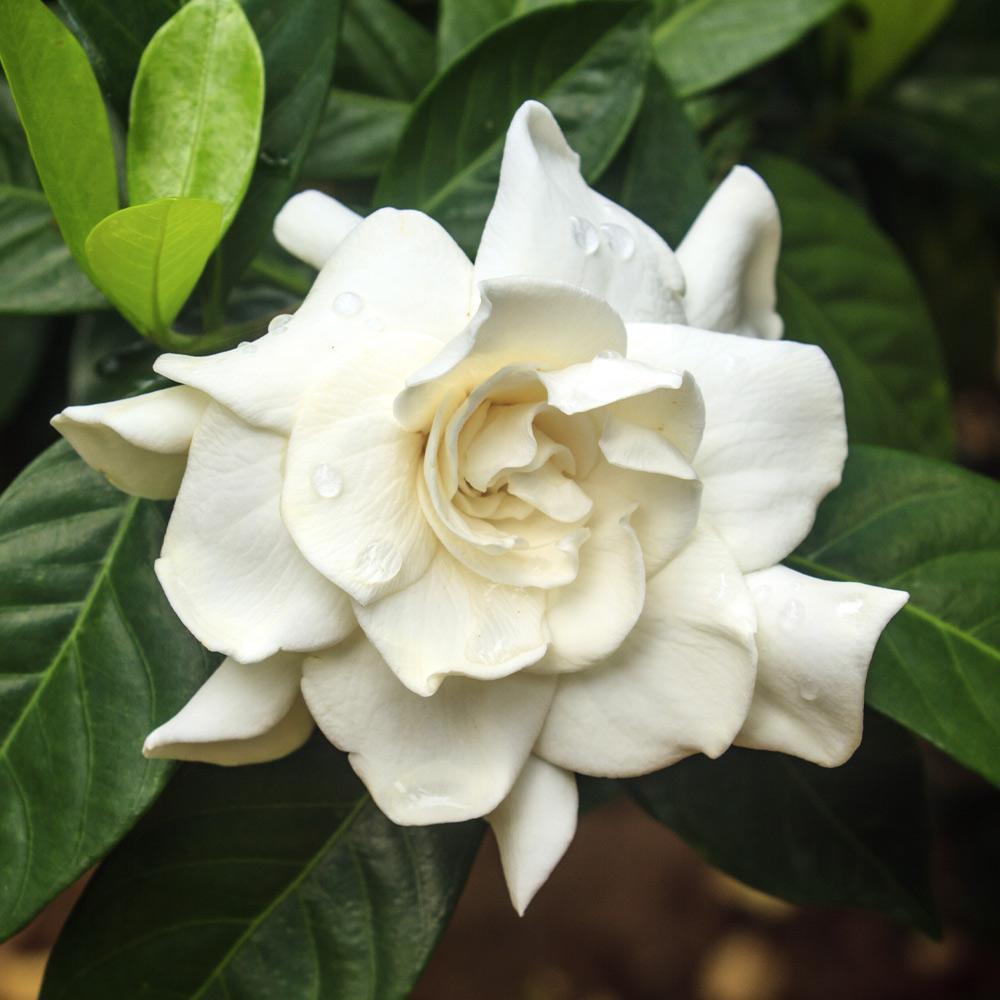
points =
(37, 272)
(706, 42)
(196, 108)
(279, 880)
(843, 285)
(589, 68)
(934, 530)
(63, 114)
(93, 659)
(148, 258)
(16, 167)
(22, 344)
(855, 835)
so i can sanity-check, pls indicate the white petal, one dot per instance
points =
(549, 491)
(548, 223)
(244, 713)
(680, 683)
(139, 443)
(452, 621)
(350, 495)
(521, 321)
(816, 639)
(447, 758)
(775, 439)
(229, 567)
(534, 825)
(396, 272)
(311, 225)
(729, 258)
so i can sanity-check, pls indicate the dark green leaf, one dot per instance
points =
(107, 360)
(588, 67)
(22, 344)
(278, 880)
(37, 272)
(462, 22)
(934, 530)
(842, 285)
(852, 835)
(93, 659)
(63, 113)
(706, 42)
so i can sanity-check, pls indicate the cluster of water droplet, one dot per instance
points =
(588, 237)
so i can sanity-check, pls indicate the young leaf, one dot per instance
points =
(93, 659)
(855, 835)
(147, 258)
(277, 880)
(63, 114)
(934, 530)
(196, 108)
(37, 272)
(844, 286)
(590, 69)
(706, 42)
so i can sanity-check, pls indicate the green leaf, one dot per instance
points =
(355, 137)
(843, 285)
(63, 114)
(932, 529)
(93, 660)
(108, 361)
(853, 835)
(706, 42)
(588, 67)
(196, 108)
(385, 51)
(462, 22)
(22, 344)
(37, 272)
(888, 34)
(148, 258)
(16, 167)
(277, 880)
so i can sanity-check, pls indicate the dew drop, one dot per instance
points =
(619, 240)
(519, 542)
(108, 366)
(791, 614)
(279, 323)
(609, 356)
(809, 692)
(246, 347)
(584, 234)
(348, 304)
(327, 481)
(375, 324)
(379, 562)
(847, 609)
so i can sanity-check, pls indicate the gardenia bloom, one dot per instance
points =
(489, 525)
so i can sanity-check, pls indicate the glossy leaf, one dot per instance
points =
(842, 285)
(22, 345)
(931, 529)
(706, 42)
(37, 272)
(194, 123)
(148, 258)
(108, 361)
(462, 22)
(853, 835)
(589, 69)
(278, 880)
(63, 114)
(93, 660)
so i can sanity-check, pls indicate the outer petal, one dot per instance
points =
(311, 225)
(729, 258)
(350, 496)
(448, 758)
(229, 567)
(521, 321)
(816, 639)
(680, 683)
(534, 825)
(491, 630)
(547, 222)
(244, 713)
(775, 439)
(140, 443)
(397, 272)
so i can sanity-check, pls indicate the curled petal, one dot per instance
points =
(140, 443)
(816, 639)
(311, 226)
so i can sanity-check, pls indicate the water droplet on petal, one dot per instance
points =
(791, 614)
(846, 609)
(246, 347)
(619, 239)
(609, 356)
(279, 323)
(375, 324)
(519, 542)
(585, 236)
(809, 691)
(348, 304)
(327, 481)
(379, 562)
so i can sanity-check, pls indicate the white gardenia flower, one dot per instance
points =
(489, 525)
